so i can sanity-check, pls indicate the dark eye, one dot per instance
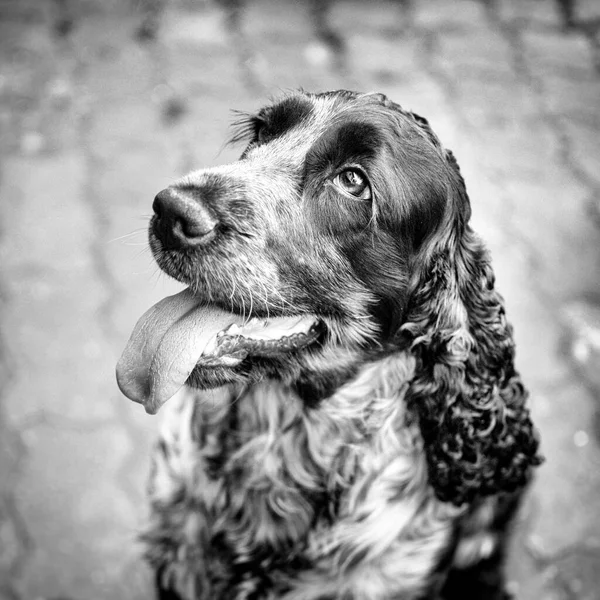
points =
(354, 183)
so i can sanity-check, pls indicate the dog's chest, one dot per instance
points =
(261, 451)
(256, 483)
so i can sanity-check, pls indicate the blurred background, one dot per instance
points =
(104, 102)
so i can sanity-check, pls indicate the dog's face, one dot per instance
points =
(300, 257)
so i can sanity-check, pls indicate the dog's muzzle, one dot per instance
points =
(182, 333)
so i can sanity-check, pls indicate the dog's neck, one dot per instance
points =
(269, 421)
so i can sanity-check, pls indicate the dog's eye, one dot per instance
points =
(353, 182)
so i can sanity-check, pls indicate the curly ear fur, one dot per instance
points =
(470, 400)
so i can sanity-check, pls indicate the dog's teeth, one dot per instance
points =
(236, 340)
(233, 329)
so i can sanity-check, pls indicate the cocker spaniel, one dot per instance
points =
(362, 433)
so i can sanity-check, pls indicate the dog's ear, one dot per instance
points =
(469, 399)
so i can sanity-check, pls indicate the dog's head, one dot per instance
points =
(338, 237)
(299, 257)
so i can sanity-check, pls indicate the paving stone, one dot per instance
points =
(584, 151)
(554, 53)
(582, 324)
(460, 16)
(566, 420)
(10, 541)
(577, 573)
(86, 520)
(47, 259)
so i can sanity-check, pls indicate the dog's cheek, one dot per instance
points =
(332, 213)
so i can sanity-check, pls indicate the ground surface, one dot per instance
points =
(94, 123)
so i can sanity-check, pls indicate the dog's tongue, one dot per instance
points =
(165, 346)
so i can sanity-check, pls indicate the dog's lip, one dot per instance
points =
(181, 333)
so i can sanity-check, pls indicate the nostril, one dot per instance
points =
(159, 202)
(196, 227)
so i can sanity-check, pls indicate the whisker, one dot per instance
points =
(275, 292)
(251, 306)
(127, 235)
(156, 275)
(266, 297)
(243, 307)
(143, 250)
(232, 295)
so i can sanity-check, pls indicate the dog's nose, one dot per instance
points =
(181, 218)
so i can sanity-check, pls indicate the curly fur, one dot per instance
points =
(470, 399)
(387, 461)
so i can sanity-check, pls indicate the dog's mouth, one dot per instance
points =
(182, 333)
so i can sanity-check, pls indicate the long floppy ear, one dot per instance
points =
(470, 401)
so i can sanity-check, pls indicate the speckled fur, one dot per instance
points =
(381, 532)
(395, 452)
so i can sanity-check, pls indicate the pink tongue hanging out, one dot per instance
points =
(179, 332)
(165, 346)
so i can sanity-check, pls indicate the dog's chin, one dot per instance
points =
(288, 367)
(302, 371)
(203, 378)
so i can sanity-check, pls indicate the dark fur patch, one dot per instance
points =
(283, 116)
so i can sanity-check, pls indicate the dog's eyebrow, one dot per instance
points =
(285, 115)
(351, 140)
(272, 121)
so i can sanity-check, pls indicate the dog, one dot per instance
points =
(346, 420)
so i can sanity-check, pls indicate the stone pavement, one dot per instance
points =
(95, 122)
